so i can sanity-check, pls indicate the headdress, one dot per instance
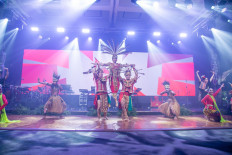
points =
(56, 77)
(203, 77)
(166, 83)
(112, 49)
(128, 70)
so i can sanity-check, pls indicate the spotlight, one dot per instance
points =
(76, 38)
(34, 29)
(40, 37)
(202, 36)
(6, 20)
(17, 29)
(224, 10)
(158, 41)
(179, 42)
(60, 29)
(156, 4)
(90, 38)
(85, 30)
(131, 33)
(156, 33)
(183, 35)
(66, 37)
(49, 38)
(228, 21)
(212, 29)
(148, 41)
(189, 4)
(172, 43)
(212, 7)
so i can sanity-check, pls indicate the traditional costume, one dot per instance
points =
(204, 85)
(171, 108)
(114, 68)
(211, 110)
(125, 101)
(3, 104)
(55, 103)
(101, 100)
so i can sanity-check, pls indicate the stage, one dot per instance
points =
(114, 123)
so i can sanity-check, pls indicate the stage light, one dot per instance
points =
(66, 37)
(6, 20)
(85, 30)
(34, 29)
(40, 37)
(202, 36)
(156, 33)
(60, 29)
(49, 38)
(172, 43)
(17, 29)
(228, 21)
(90, 38)
(183, 35)
(189, 4)
(212, 29)
(131, 33)
(158, 41)
(156, 4)
(75, 38)
(179, 42)
(224, 10)
(212, 7)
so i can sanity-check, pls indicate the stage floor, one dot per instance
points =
(87, 123)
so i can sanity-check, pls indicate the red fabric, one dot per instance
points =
(113, 88)
(5, 102)
(95, 99)
(207, 100)
(120, 98)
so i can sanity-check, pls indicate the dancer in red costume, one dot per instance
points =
(101, 101)
(3, 104)
(211, 110)
(125, 100)
(114, 67)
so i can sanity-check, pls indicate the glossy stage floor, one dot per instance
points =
(114, 123)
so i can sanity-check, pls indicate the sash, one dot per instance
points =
(215, 105)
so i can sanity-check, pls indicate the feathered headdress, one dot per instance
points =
(166, 83)
(56, 77)
(128, 70)
(112, 49)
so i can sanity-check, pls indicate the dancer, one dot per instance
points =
(211, 110)
(101, 101)
(3, 104)
(204, 85)
(127, 90)
(171, 108)
(4, 72)
(114, 67)
(55, 103)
